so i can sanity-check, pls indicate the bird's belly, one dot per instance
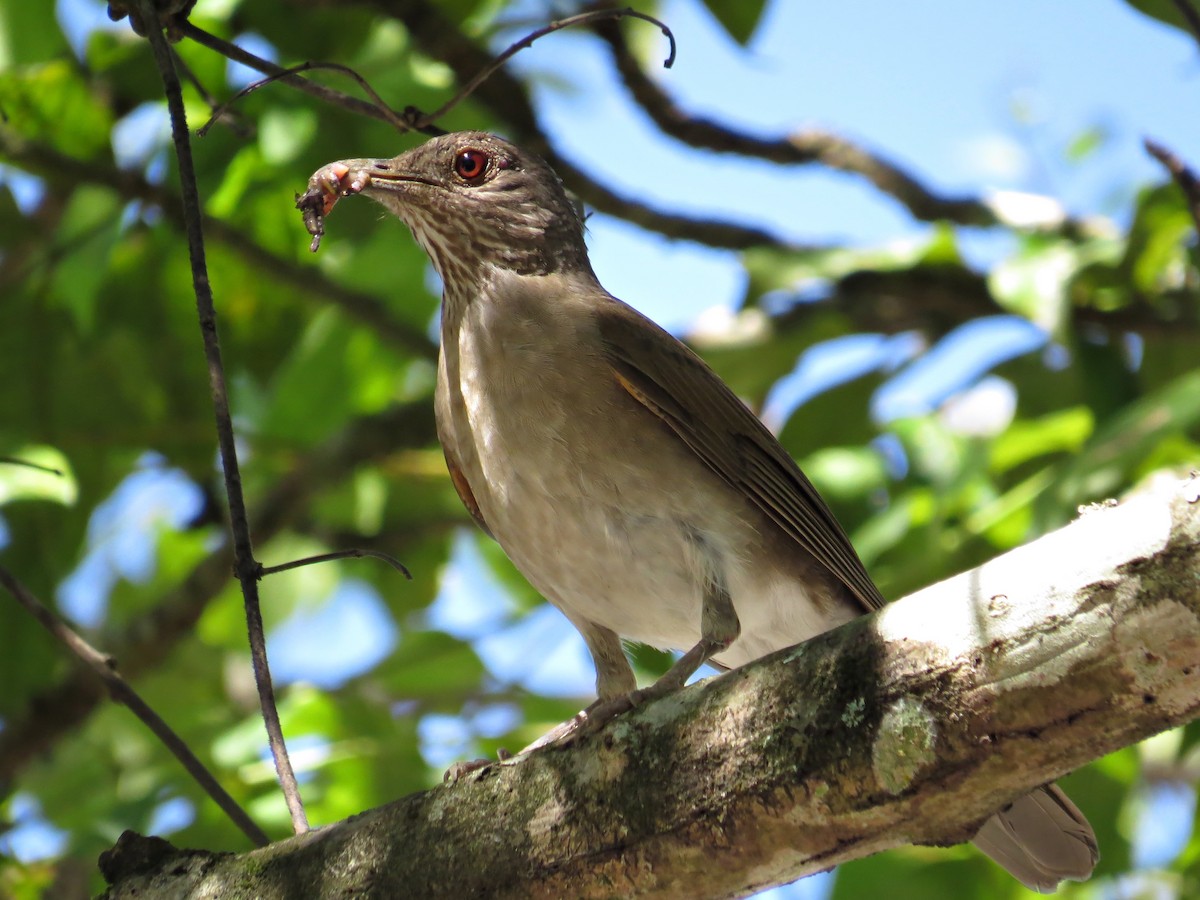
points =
(627, 557)
(606, 513)
(590, 548)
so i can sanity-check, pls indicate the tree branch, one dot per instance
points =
(1183, 175)
(105, 669)
(799, 148)
(246, 568)
(911, 725)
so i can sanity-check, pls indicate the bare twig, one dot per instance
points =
(245, 566)
(587, 18)
(1183, 175)
(506, 97)
(356, 553)
(105, 668)
(396, 120)
(24, 463)
(411, 119)
(236, 125)
(237, 54)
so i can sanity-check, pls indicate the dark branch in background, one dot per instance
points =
(105, 669)
(800, 148)
(58, 168)
(1190, 16)
(245, 566)
(149, 639)
(1183, 175)
(934, 300)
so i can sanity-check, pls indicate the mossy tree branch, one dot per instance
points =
(911, 725)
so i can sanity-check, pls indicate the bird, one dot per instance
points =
(628, 483)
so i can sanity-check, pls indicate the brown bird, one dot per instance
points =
(626, 481)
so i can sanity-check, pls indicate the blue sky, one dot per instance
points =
(971, 97)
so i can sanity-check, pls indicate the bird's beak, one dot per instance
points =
(344, 178)
(353, 176)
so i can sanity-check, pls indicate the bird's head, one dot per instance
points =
(473, 201)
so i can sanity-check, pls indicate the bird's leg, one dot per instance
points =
(615, 684)
(719, 627)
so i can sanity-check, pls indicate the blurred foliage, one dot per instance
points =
(106, 384)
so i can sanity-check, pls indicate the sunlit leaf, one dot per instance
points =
(738, 17)
(36, 473)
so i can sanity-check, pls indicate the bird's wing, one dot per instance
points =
(463, 488)
(677, 386)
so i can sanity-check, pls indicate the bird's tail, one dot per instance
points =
(1041, 839)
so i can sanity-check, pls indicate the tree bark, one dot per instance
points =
(908, 726)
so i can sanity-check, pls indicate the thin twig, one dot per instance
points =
(13, 461)
(396, 120)
(503, 95)
(1190, 16)
(236, 124)
(105, 667)
(507, 98)
(356, 553)
(586, 18)
(1183, 175)
(232, 51)
(245, 566)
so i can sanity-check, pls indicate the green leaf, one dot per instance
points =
(51, 103)
(1121, 445)
(847, 472)
(432, 665)
(37, 472)
(1034, 281)
(29, 33)
(1087, 143)
(1156, 254)
(739, 18)
(1026, 439)
(1164, 10)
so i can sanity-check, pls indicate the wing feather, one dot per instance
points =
(680, 389)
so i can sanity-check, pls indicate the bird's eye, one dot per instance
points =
(471, 165)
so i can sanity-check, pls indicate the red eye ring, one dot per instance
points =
(471, 165)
